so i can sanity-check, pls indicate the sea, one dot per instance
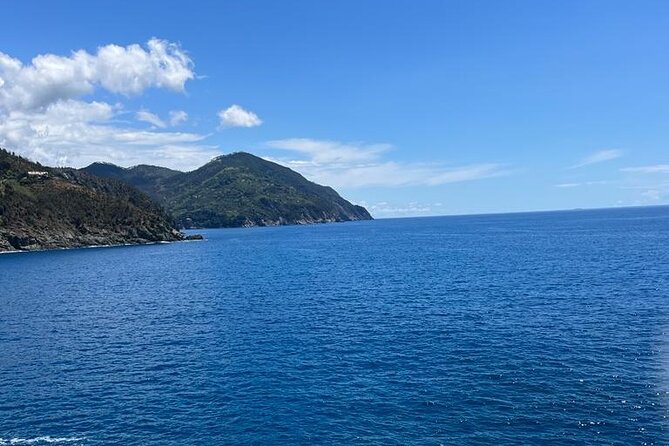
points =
(519, 329)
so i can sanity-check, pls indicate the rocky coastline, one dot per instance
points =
(11, 241)
(49, 208)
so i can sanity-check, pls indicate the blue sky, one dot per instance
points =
(410, 108)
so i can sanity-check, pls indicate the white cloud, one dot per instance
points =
(124, 70)
(236, 116)
(43, 114)
(132, 69)
(151, 118)
(598, 157)
(177, 117)
(350, 165)
(657, 168)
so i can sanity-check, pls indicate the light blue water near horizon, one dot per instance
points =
(538, 328)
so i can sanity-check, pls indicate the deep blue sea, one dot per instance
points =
(524, 329)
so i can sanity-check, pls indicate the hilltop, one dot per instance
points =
(233, 190)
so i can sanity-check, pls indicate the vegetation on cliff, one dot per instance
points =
(42, 207)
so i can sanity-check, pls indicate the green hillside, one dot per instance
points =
(237, 190)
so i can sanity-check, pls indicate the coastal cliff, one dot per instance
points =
(46, 208)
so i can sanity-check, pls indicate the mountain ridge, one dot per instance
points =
(237, 189)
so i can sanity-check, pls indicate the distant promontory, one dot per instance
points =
(236, 190)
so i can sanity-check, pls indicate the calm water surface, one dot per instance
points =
(546, 328)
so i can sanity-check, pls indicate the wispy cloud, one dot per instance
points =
(178, 117)
(323, 151)
(151, 118)
(584, 183)
(175, 118)
(598, 157)
(353, 165)
(657, 168)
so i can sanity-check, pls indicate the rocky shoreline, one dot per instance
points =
(40, 241)
(12, 243)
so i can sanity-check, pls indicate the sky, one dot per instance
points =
(409, 108)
